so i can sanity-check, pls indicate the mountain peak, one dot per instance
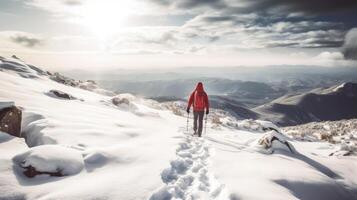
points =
(347, 88)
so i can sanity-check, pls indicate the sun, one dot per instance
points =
(105, 18)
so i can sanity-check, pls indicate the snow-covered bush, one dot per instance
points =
(342, 133)
(254, 125)
(216, 120)
(50, 159)
(177, 107)
(300, 136)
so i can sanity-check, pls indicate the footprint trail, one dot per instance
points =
(189, 176)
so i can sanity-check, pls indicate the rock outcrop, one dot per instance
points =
(60, 94)
(10, 120)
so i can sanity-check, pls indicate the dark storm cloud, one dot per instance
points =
(259, 6)
(349, 49)
(306, 6)
(26, 41)
(289, 23)
(244, 28)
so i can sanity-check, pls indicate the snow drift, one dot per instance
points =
(54, 160)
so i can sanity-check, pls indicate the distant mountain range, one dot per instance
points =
(322, 104)
(293, 101)
(249, 92)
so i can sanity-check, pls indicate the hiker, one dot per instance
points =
(199, 100)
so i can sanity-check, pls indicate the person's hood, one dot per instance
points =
(199, 87)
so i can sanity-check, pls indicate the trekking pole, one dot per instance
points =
(188, 116)
(206, 124)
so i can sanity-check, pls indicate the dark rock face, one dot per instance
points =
(62, 95)
(10, 121)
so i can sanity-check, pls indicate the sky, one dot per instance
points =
(106, 34)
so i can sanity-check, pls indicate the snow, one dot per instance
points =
(51, 158)
(119, 146)
(189, 176)
(340, 133)
(249, 174)
(339, 87)
(274, 141)
(143, 151)
(92, 86)
(18, 67)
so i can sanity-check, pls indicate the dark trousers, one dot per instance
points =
(198, 116)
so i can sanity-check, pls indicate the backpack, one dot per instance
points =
(199, 101)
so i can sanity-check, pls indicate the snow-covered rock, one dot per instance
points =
(124, 101)
(267, 125)
(274, 141)
(50, 159)
(16, 66)
(60, 94)
(63, 79)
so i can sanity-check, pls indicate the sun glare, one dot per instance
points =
(105, 18)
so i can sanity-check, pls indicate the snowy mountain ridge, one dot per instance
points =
(81, 144)
(321, 104)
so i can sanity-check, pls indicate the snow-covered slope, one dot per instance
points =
(123, 150)
(124, 147)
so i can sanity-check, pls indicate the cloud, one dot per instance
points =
(26, 40)
(265, 6)
(245, 32)
(73, 2)
(349, 48)
(190, 4)
(305, 6)
(330, 56)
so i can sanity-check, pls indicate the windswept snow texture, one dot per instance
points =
(140, 151)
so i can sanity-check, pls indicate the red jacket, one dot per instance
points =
(199, 99)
